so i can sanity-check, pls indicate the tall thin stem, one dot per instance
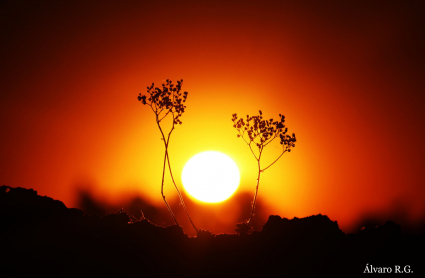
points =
(167, 157)
(275, 160)
(160, 101)
(172, 177)
(256, 189)
(163, 175)
(179, 193)
(162, 192)
(262, 132)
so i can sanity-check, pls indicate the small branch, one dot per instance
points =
(256, 135)
(270, 140)
(275, 160)
(152, 108)
(252, 150)
(156, 107)
(165, 114)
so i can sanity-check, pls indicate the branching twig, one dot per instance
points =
(261, 133)
(171, 100)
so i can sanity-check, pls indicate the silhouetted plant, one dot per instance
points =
(243, 228)
(168, 101)
(257, 134)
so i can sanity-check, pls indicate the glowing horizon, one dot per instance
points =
(346, 76)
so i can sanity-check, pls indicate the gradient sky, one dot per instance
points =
(348, 76)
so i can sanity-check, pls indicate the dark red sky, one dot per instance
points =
(348, 76)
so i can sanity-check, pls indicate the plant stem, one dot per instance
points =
(256, 189)
(167, 157)
(172, 177)
(179, 193)
(163, 174)
(162, 190)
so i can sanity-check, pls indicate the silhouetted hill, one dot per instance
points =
(41, 237)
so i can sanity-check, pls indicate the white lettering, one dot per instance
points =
(386, 269)
(397, 269)
(366, 270)
(407, 269)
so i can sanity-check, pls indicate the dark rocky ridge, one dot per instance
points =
(41, 237)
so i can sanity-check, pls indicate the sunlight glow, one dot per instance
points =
(210, 177)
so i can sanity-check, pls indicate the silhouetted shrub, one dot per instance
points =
(257, 133)
(168, 101)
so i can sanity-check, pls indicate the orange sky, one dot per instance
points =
(347, 76)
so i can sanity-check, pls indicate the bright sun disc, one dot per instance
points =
(210, 177)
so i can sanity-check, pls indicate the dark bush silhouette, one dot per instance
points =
(168, 101)
(41, 237)
(257, 133)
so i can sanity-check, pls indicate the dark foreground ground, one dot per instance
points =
(41, 237)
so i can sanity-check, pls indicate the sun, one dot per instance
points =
(210, 177)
